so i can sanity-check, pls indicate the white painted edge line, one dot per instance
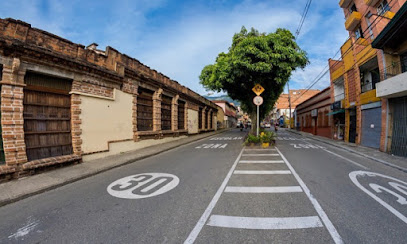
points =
(351, 161)
(254, 189)
(272, 154)
(262, 172)
(261, 223)
(330, 227)
(201, 222)
(261, 161)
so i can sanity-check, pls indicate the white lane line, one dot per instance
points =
(201, 222)
(330, 227)
(351, 161)
(261, 223)
(272, 154)
(255, 189)
(262, 172)
(261, 161)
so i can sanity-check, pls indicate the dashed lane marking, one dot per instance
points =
(262, 155)
(327, 222)
(274, 189)
(262, 172)
(265, 223)
(261, 161)
(263, 150)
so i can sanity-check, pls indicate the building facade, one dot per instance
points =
(63, 102)
(392, 88)
(229, 111)
(281, 108)
(354, 77)
(314, 114)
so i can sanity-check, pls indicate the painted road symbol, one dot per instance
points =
(291, 139)
(206, 146)
(226, 138)
(143, 185)
(307, 146)
(380, 186)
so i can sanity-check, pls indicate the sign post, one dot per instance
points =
(258, 100)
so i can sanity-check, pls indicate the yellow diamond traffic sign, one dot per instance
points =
(258, 89)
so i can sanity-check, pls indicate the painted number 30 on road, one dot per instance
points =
(143, 185)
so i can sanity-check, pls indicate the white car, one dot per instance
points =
(267, 125)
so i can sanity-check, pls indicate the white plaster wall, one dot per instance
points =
(192, 121)
(105, 120)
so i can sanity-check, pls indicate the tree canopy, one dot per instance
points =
(255, 58)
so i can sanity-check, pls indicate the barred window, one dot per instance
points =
(166, 112)
(145, 110)
(181, 115)
(200, 118)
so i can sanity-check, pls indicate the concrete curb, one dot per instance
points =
(15, 198)
(349, 150)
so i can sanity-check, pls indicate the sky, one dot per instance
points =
(178, 38)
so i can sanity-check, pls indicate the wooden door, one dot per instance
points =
(47, 117)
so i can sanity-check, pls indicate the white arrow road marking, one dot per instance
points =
(262, 172)
(275, 189)
(261, 223)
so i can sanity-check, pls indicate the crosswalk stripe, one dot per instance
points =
(270, 149)
(255, 189)
(262, 223)
(262, 172)
(261, 161)
(272, 154)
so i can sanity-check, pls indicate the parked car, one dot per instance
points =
(267, 125)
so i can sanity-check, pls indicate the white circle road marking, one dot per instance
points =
(143, 185)
(353, 176)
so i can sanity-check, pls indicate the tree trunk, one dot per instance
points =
(253, 117)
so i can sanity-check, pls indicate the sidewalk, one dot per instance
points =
(15, 190)
(399, 163)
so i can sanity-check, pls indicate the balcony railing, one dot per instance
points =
(392, 70)
(353, 20)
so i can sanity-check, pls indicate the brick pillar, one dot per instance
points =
(203, 118)
(210, 126)
(174, 113)
(383, 133)
(157, 110)
(76, 121)
(12, 120)
(186, 116)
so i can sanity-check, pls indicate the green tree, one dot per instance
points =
(255, 58)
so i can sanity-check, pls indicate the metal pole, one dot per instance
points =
(258, 122)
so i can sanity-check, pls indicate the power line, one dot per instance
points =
(304, 15)
(316, 80)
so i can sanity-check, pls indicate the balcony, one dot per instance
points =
(344, 3)
(353, 21)
(371, 3)
(394, 82)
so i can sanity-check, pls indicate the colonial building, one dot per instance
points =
(392, 88)
(63, 102)
(230, 112)
(313, 115)
(355, 76)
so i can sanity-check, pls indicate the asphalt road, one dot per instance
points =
(217, 191)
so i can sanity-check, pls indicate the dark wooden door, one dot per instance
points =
(47, 116)
(47, 124)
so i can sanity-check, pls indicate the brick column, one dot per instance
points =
(203, 118)
(209, 119)
(76, 121)
(174, 113)
(157, 110)
(12, 120)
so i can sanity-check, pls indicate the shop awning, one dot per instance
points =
(336, 112)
